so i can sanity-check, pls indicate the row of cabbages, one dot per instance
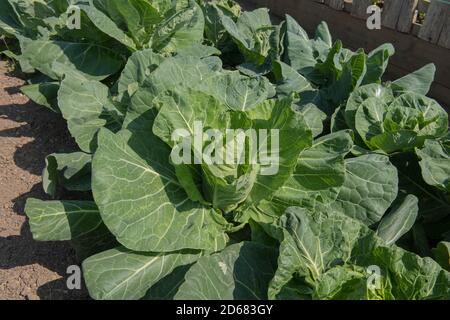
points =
(363, 177)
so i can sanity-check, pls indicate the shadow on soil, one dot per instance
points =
(50, 135)
(46, 127)
(22, 250)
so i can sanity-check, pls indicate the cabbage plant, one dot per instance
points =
(215, 231)
(93, 37)
(337, 184)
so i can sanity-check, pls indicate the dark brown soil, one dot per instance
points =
(28, 133)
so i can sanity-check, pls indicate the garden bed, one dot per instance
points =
(28, 133)
(217, 155)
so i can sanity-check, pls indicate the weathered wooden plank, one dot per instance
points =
(335, 4)
(415, 29)
(359, 8)
(348, 6)
(444, 39)
(398, 14)
(391, 13)
(422, 5)
(405, 20)
(437, 15)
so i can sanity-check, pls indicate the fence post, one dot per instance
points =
(399, 14)
(359, 8)
(436, 19)
(335, 4)
(406, 17)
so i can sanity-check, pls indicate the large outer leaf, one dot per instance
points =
(252, 33)
(89, 32)
(106, 25)
(399, 221)
(184, 29)
(10, 20)
(31, 18)
(236, 91)
(435, 163)
(377, 62)
(313, 116)
(199, 51)
(132, 15)
(180, 111)
(442, 254)
(353, 72)
(301, 53)
(62, 220)
(289, 80)
(214, 30)
(93, 61)
(78, 221)
(293, 27)
(123, 274)
(418, 81)
(138, 68)
(167, 287)
(316, 180)
(323, 33)
(178, 73)
(71, 170)
(87, 107)
(131, 22)
(322, 166)
(242, 271)
(24, 64)
(370, 187)
(142, 202)
(312, 244)
(45, 94)
(330, 251)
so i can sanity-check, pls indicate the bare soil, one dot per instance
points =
(28, 133)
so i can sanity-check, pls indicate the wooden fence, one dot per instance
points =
(427, 20)
(418, 29)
